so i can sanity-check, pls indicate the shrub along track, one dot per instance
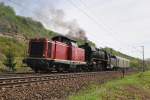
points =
(53, 86)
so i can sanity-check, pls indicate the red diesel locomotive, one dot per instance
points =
(60, 54)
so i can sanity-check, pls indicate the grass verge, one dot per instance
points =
(133, 87)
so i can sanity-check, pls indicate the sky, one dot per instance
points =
(120, 24)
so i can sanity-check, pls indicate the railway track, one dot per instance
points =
(5, 75)
(23, 81)
(31, 79)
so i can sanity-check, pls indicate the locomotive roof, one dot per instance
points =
(121, 58)
(63, 37)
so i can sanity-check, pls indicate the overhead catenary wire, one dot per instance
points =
(24, 7)
(90, 17)
(101, 25)
(98, 23)
(28, 8)
(110, 28)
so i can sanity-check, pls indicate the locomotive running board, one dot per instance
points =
(69, 62)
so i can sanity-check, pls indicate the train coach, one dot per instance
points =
(62, 54)
(117, 62)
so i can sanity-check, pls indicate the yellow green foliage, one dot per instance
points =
(134, 87)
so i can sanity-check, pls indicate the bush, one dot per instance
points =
(10, 61)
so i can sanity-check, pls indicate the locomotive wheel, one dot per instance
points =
(79, 69)
(59, 68)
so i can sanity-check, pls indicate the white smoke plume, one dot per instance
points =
(54, 19)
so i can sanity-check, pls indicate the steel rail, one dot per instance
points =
(13, 82)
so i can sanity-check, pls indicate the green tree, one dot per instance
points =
(10, 61)
(134, 63)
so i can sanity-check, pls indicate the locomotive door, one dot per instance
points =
(49, 50)
(70, 52)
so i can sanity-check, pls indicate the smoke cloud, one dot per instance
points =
(55, 19)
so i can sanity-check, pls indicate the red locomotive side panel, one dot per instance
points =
(51, 49)
(78, 54)
(81, 54)
(73, 54)
(61, 51)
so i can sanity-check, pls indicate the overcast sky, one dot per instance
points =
(121, 24)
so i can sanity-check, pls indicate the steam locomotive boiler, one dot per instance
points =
(97, 59)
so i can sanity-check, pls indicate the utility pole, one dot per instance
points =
(143, 62)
